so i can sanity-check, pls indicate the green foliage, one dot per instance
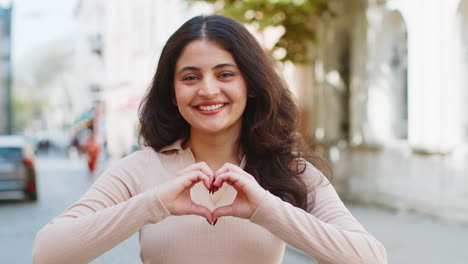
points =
(297, 17)
(20, 118)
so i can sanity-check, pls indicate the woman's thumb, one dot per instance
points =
(223, 211)
(200, 210)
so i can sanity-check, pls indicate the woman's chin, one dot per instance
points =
(212, 130)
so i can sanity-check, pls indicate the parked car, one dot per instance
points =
(17, 170)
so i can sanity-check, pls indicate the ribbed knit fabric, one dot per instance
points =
(124, 200)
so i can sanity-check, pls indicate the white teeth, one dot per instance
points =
(210, 107)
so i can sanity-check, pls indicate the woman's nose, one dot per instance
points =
(209, 87)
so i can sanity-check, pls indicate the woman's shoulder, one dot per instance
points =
(311, 175)
(137, 159)
(138, 156)
(136, 169)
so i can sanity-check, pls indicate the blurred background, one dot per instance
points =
(382, 86)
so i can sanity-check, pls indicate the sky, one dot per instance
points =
(38, 22)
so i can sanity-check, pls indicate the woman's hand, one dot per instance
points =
(175, 194)
(249, 192)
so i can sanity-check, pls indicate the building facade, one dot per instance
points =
(389, 103)
(5, 71)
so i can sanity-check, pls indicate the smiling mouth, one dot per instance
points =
(210, 107)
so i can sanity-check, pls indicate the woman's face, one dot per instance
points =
(210, 91)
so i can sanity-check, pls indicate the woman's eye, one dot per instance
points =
(226, 75)
(190, 78)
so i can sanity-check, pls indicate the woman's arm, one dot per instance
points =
(110, 212)
(328, 232)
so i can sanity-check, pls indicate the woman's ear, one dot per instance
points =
(174, 101)
(251, 94)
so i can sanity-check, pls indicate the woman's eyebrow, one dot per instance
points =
(222, 65)
(189, 68)
(193, 68)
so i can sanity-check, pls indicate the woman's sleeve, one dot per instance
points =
(109, 213)
(327, 231)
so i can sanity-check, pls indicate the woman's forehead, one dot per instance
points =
(205, 53)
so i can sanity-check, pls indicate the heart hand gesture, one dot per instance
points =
(249, 192)
(175, 194)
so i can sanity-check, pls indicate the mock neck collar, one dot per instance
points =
(177, 146)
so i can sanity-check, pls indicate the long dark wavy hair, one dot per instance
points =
(274, 149)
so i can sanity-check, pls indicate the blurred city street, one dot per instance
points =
(408, 238)
(381, 88)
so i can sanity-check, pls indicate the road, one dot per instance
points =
(408, 237)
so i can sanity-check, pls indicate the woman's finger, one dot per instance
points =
(243, 184)
(194, 177)
(201, 166)
(200, 210)
(227, 210)
(229, 167)
(232, 178)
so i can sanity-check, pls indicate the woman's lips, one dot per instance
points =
(210, 109)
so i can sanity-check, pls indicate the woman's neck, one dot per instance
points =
(215, 150)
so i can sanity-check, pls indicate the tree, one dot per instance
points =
(296, 17)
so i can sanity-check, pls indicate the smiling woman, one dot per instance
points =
(220, 130)
(210, 91)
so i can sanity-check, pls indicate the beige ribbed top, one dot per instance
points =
(123, 201)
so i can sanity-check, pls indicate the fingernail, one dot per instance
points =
(209, 222)
(215, 222)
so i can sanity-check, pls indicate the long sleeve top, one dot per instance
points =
(124, 201)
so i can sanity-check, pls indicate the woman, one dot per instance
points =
(219, 127)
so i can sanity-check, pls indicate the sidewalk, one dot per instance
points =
(408, 238)
(413, 238)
